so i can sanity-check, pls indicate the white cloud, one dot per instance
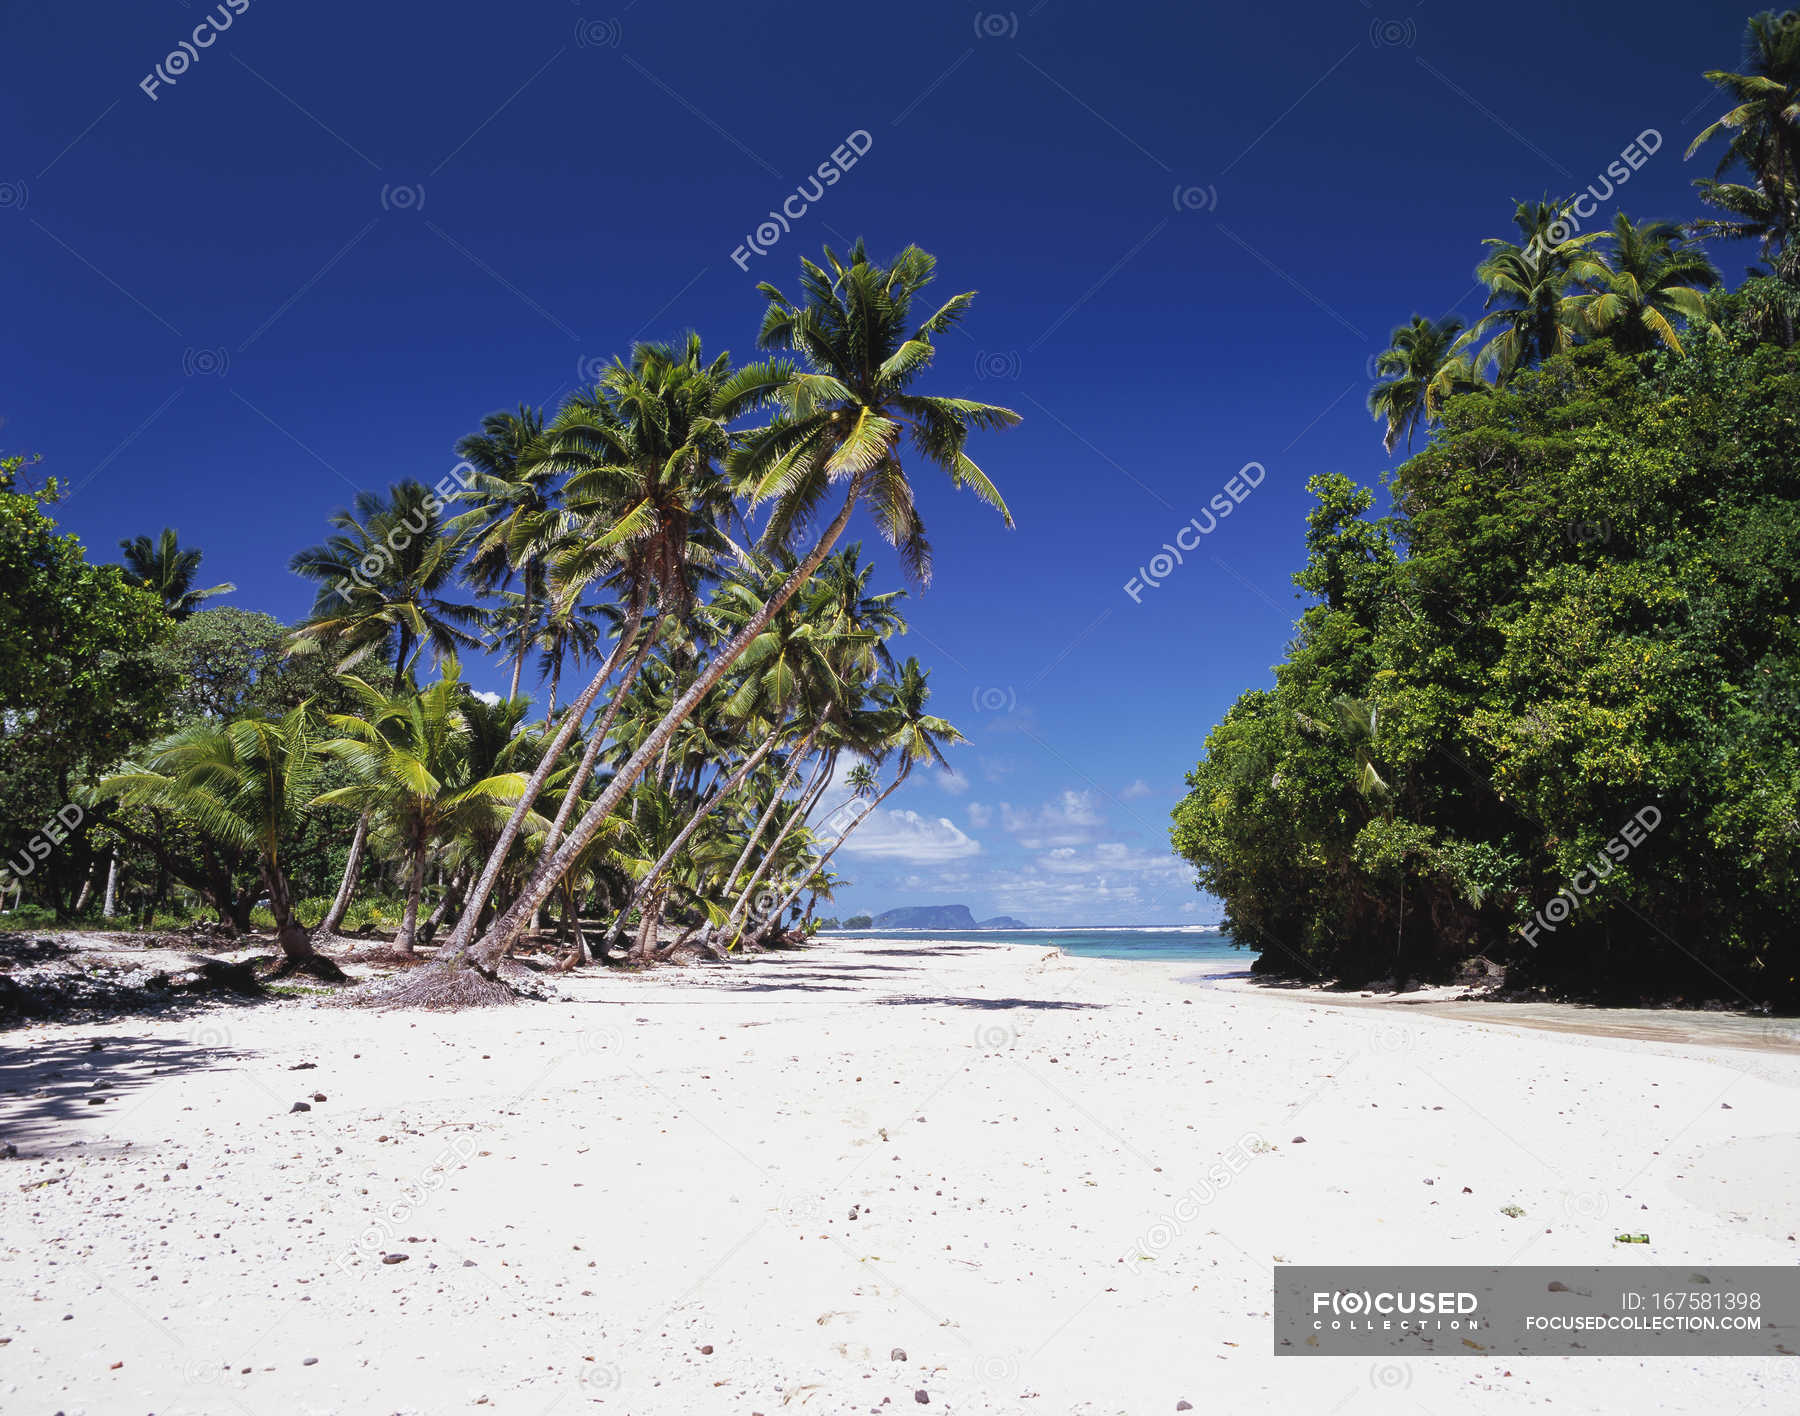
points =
(490, 699)
(1070, 820)
(953, 782)
(1112, 858)
(1139, 788)
(980, 815)
(908, 836)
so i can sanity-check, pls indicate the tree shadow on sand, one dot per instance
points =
(50, 1090)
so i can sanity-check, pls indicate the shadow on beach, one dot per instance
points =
(47, 1090)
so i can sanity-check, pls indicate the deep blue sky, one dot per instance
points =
(562, 179)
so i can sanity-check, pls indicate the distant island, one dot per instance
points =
(942, 917)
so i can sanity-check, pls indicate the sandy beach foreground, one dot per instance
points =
(834, 1180)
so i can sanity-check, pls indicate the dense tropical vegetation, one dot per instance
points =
(1544, 709)
(668, 541)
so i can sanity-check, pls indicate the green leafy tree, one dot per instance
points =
(79, 686)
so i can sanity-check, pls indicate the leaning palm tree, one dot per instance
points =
(1532, 312)
(913, 734)
(1426, 362)
(408, 758)
(165, 568)
(245, 785)
(1762, 126)
(840, 420)
(1648, 279)
(644, 490)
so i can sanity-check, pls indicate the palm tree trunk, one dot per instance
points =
(109, 907)
(596, 741)
(415, 885)
(485, 955)
(296, 943)
(822, 781)
(739, 911)
(464, 933)
(519, 658)
(825, 859)
(648, 883)
(400, 660)
(762, 823)
(334, 917)
(429, 929)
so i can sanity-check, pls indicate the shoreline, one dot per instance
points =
(745, 1188)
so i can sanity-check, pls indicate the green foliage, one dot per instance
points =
(226, 663)
(1583, 605)
(860, 922)
(167, 570)
(78, 689)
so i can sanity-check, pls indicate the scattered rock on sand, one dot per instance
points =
(298, 1106)
(897, 1355)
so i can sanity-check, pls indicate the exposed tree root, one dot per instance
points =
(440, 988)
(317, 965)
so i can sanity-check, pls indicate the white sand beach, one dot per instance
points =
(829, 1181)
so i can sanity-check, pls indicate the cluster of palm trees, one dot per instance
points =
(1640, 284)
(667, 540)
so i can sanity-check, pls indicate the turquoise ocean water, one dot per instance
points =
(1181, 943)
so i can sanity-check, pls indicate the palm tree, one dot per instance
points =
(1763, 125)
(569, 631)
(513, 520)
(163, 566)
(408, 756)
(510, 627)
(1359, 721)
(675, 843)
(244, 784)
(806, 661)
(1530, 282)
(643, 490)
(381, 580)
(1426, 363)
(840, 420)
(912, 733)
(1648, 279)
